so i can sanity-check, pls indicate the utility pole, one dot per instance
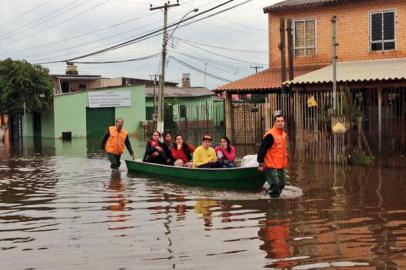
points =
(290, 50)
(256, 68)
(161, 116)
(282, 48)
(335, 44)
(154, 78)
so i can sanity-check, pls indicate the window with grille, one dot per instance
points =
(305, 37)
(382, 31)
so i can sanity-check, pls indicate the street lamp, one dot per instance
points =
(161, 108)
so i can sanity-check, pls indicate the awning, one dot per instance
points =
(356, 71)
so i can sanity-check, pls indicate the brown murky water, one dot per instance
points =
(60, 208)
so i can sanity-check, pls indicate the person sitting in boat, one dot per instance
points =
(154, 152)
(167, 146)
(182, 152)
(204, 156)
(225, 153)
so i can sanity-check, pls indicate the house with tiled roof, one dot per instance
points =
(370, 42)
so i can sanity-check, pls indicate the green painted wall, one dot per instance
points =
(74, 120)
(195, 107)
(48, 124)
(136, 113)
(28, 128)
(70, 114)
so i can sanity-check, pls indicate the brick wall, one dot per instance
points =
(352, 32)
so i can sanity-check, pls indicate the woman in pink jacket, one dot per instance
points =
(225, 153)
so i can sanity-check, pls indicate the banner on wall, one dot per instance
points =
(109, 99)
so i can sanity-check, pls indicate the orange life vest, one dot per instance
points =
(277, 156)
(116, 142)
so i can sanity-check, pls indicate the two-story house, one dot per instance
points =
(371, 62)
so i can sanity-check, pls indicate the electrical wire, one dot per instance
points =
(198, 69)
(224, 56)
(59, 23)
(90, 33)
(25, 13)
(146, 35)
(36, 22)
(220, 48)
(114, 62)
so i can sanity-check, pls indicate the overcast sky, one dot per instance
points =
(52, 30)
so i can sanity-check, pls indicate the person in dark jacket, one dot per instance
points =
(182, 152)
(167, 146)
(113, 142)
(154, 152)
(273, 156)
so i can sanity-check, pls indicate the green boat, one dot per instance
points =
(240, 178)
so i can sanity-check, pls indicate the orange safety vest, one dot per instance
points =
(277, 156)
(116, 142)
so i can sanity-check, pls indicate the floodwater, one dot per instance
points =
(60, 208)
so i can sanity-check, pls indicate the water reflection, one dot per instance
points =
(117, 203)
(274, 232)
(59, 201)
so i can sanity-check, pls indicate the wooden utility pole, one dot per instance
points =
(282, 45)
(161, 98)
(290, 50)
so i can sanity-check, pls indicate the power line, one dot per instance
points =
(61, 22)
(113, 62)
(146, 35)
(153, 33)
(220, 48)
(25, 13)
(44, 19)
(90, 33)
(229, 70)
(197, 69)
(224, 56)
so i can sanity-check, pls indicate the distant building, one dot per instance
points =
(88, 113)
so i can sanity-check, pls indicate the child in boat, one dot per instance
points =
(225, 153)
(154, 152)
(167, 146)
(182, 152)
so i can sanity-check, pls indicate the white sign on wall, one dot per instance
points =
(109, 99)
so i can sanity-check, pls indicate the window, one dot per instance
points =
(305, 37)
(382, 31)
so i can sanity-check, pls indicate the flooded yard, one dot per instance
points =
(61, 208)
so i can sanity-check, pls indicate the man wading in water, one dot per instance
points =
(113, 143)
(273, 156)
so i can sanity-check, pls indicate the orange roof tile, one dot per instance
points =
(264, 80)
(269, 79)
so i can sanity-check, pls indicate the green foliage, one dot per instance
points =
(22, 83)
(360, 158)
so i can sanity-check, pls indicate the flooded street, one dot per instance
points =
(61, 208)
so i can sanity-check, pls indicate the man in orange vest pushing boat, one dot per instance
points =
(114, 141)
(273, 156)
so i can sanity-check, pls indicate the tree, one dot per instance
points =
(23, 87)
(23, 84)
